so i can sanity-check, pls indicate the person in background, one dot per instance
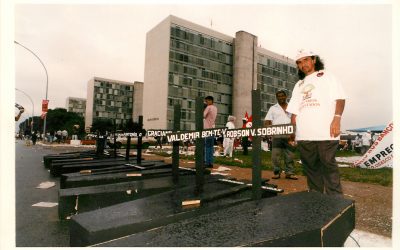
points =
(228, 142)
(366, 142)
(27, 136)
(64, 135)
(277, 115)
(358, 143)
(209, 117)
(374, 137)
(220, 144)
(34, 138)
(75, 131)
(159, 141)
(349, 143)
(51, 136)
(317, 105)
(245, 139)
(58, 136)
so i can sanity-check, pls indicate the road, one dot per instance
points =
(36, 226)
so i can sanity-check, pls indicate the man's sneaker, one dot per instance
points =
(291, 176)
(276, 176)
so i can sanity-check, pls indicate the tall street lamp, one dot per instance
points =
(47, 82)
(33, 106)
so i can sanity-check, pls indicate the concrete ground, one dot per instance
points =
(40, 227)
(36, 226)
(360, 238)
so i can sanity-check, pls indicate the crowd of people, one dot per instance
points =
(31, 137)
(359, 143)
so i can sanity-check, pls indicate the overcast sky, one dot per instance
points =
(77, 42)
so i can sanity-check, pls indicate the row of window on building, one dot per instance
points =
(203, 40)
(269, 62)
(200, 62)
(194, 72)
(113, 115)
(105, 84)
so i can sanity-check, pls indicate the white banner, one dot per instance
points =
(380, 154)
(273, 130)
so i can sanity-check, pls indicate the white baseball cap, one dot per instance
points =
(304, 53)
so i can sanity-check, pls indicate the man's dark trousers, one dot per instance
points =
(321, 169)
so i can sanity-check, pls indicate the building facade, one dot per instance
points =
(76, 105)
(111, 99)
(185, 60)
(274, 72)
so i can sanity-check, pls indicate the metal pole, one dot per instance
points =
(128, 148)
(47, 81)
(256, 145)
(139, 142)
(33, 106)
(115, 139)
(175, 148)
(199, 146)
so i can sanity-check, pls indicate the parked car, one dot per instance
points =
(122, 140)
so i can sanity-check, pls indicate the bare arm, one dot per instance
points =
(335, 124)
(293, 119)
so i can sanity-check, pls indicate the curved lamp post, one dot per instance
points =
(47, 82)
(33, 106)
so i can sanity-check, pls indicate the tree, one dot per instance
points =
(102, 125)
(60, 119)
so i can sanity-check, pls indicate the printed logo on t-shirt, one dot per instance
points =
(320, 74)
(309, 103)
(307, 91)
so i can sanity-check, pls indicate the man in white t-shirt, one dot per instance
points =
(317, 104)
(276, 115)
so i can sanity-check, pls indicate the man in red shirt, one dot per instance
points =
(209, 115)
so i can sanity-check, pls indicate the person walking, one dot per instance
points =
(27, 136)
(228, 142)
(317, 105)
(276, 115)
(34, 138)
(64, 135)
(51, 136)
(59, 136)
(209, 117)
(159, 141)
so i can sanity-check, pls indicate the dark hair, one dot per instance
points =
(319, 65)
(209, 98)
(280, 91)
